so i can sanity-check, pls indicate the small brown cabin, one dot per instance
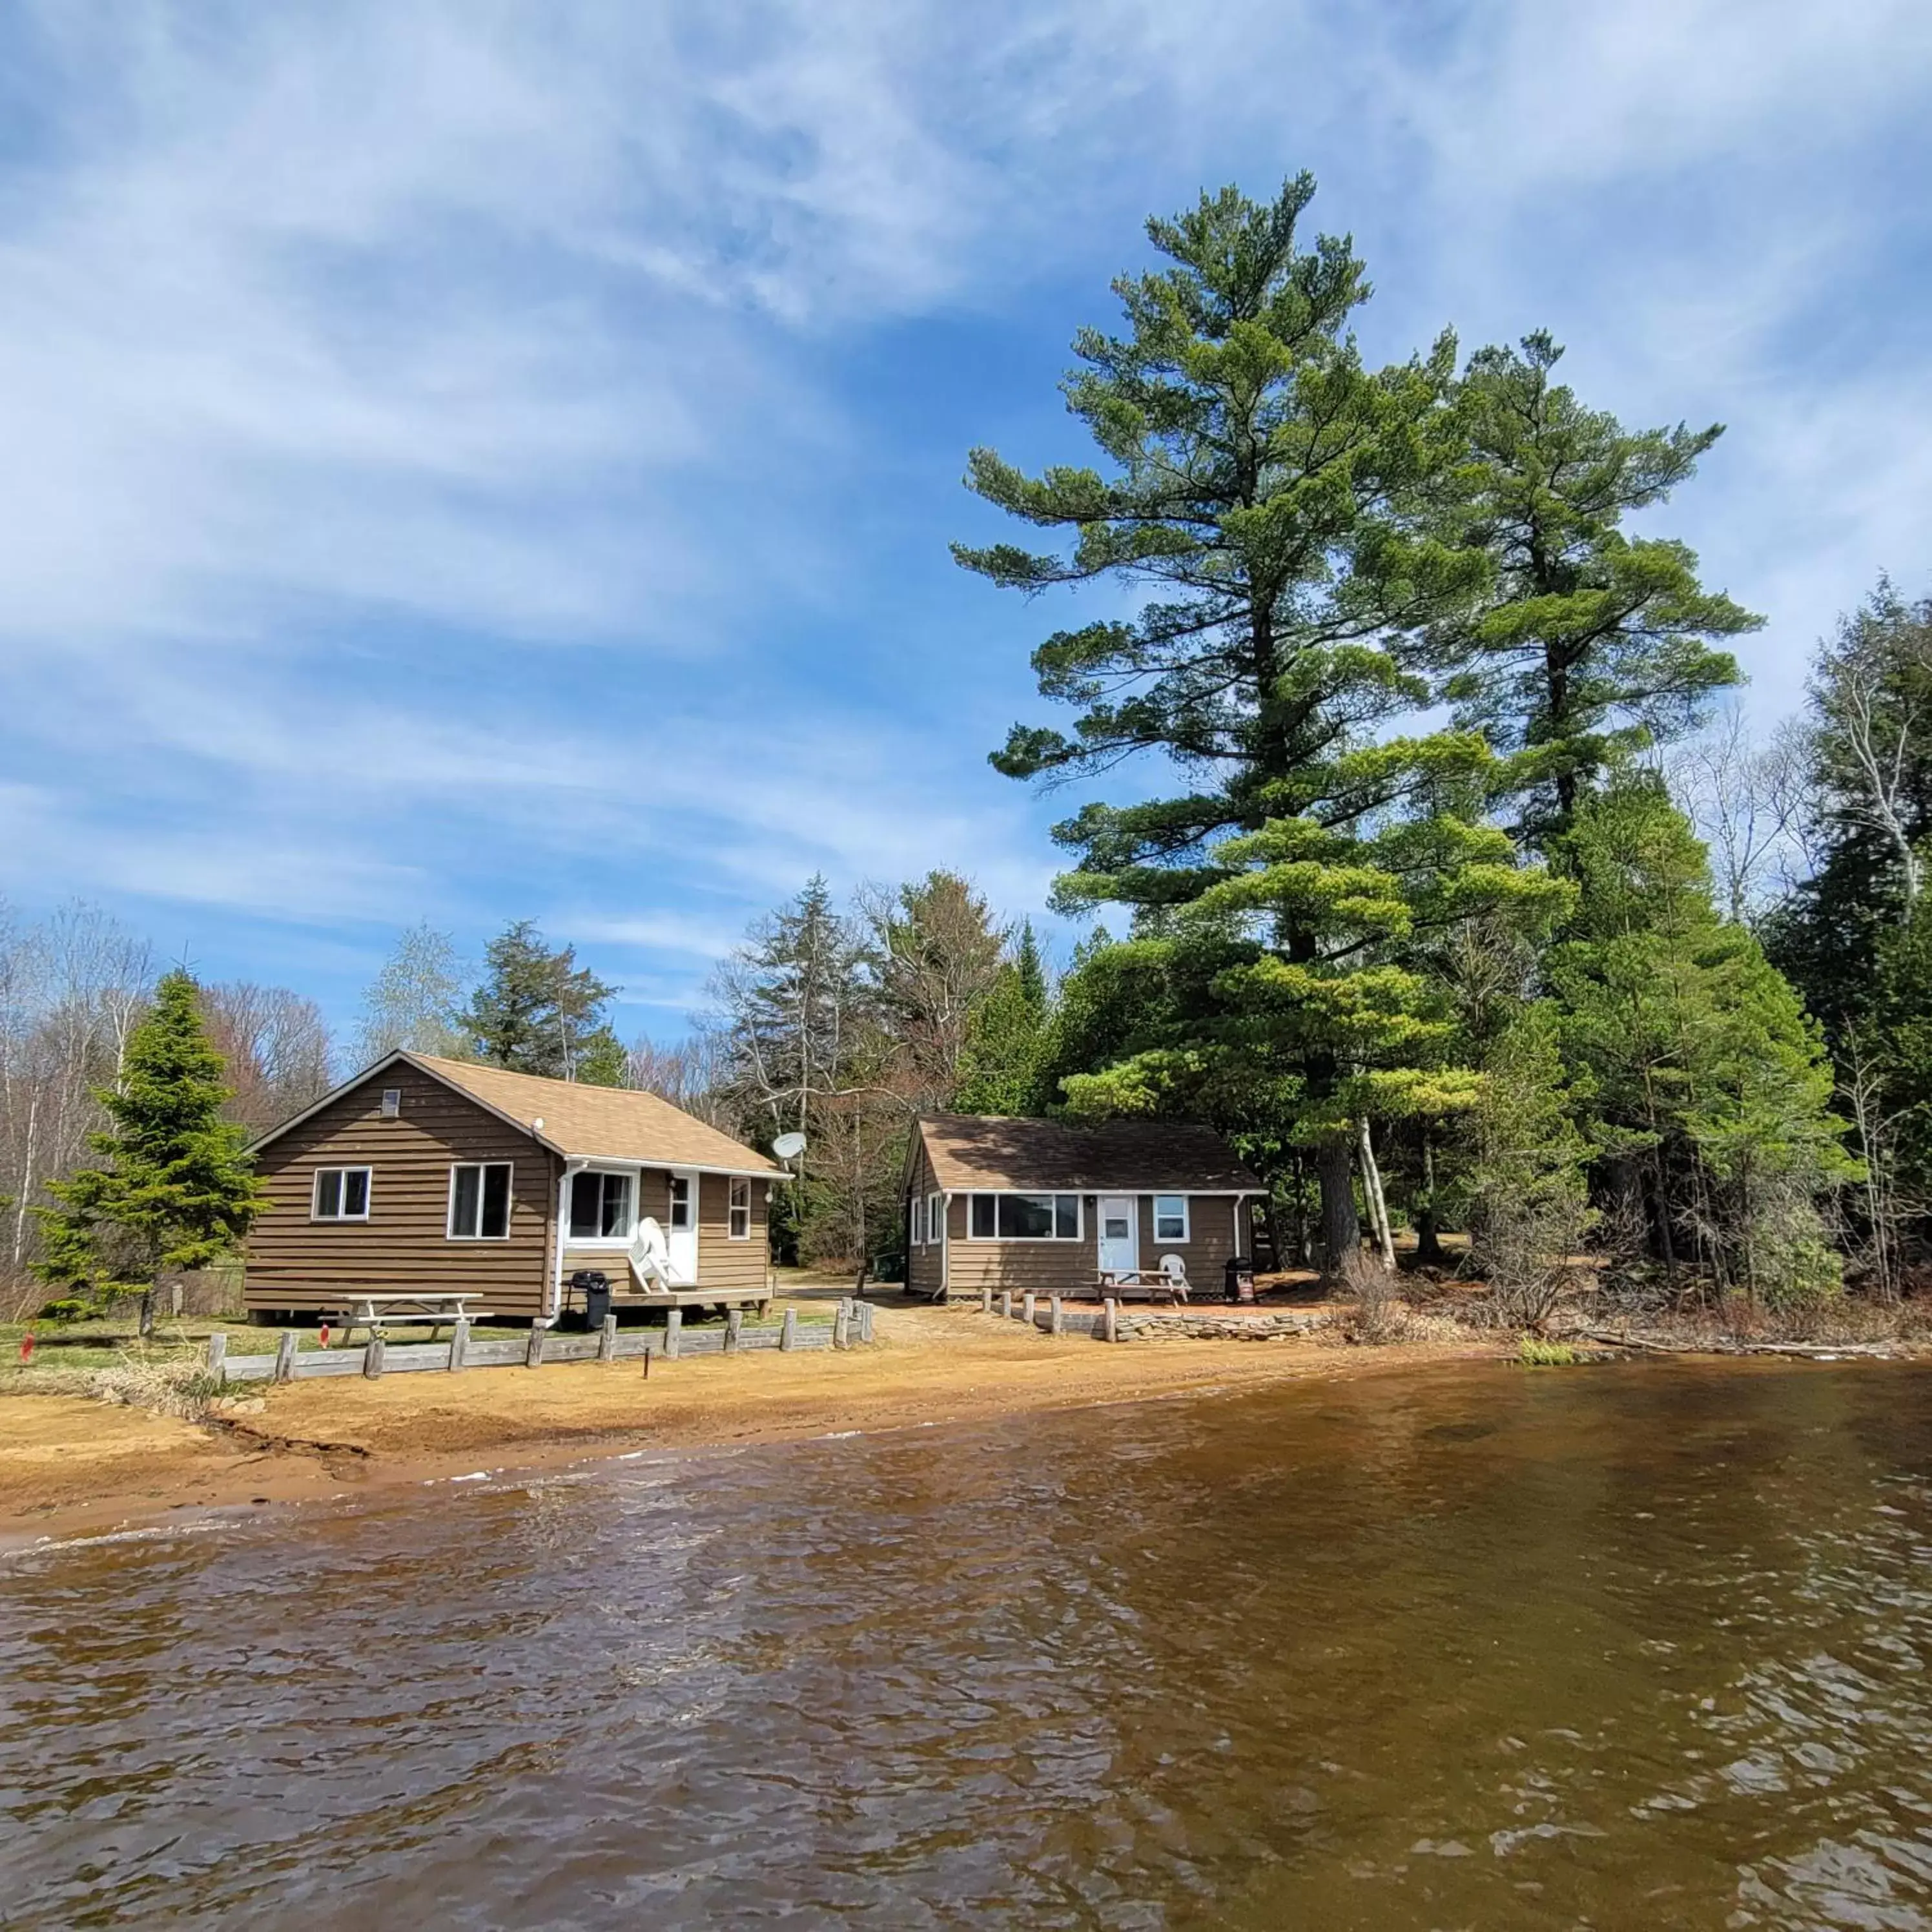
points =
(426, 1174)
(1050, 1207)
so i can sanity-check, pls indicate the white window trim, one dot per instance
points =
(916, 1221)
(368, 1174)
(613, 1242)
(449, 1233)
(935, 1219)
(732, 1209)
(1028, 1194)
(1186, 1234)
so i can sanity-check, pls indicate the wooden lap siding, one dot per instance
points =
(722, 1262)
(653, 1199)
(1210, 1224)
(924, 1263)
(296, 1263)
(1073, 1267)
(1046, 1268)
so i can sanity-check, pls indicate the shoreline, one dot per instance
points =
(72, 1466)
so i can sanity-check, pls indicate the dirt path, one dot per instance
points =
(68, 1465)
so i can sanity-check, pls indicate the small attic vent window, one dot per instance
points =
(392, 1102)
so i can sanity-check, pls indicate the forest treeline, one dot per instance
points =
(1456, 907)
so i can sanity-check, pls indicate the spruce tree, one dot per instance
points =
(172, 1189)
(1273, 498)
(999, 1067)
(1711, 1094)
(1590, 641)
(538, 1011)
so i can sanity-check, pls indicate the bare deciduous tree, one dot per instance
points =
(412, 1001)
(1748, 800)
(692, 1073)
(71, 988)
(275, 1045)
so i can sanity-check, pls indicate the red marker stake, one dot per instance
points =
(26, 1349)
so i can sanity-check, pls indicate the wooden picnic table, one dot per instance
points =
(418, 1308)
(1154, 1281)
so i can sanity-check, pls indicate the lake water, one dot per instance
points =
(1643, 1646)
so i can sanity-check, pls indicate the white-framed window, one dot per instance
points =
(479, 1200)
(392, 1108)
(1025, 1217)
(341, 1194)
(738, 1209)
(680, 1200)
(600, 1206)
(1170, 1217)
(919, 1220)
(935, 1219)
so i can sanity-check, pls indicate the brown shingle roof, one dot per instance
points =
(616, 1123)
(969, 1150)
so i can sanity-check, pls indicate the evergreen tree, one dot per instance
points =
(538, 1011)
(1274, 495)
(1855, 936)
(797, 1011)
(1000, 1064)
(934, 955)
(1590, 641)
(173, 1189)
(1527, 1184)
(1871, 745)
(1712, 1094)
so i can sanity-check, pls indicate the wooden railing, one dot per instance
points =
(851, 1324)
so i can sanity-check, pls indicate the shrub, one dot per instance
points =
(1533, 1352)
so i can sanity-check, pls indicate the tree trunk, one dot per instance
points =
(1378, 1202)
(1341, 1226)
(1429, 1252)
(148, 1295)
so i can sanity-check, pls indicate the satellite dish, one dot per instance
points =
(789, 1147)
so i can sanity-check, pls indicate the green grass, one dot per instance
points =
(1535, 1353)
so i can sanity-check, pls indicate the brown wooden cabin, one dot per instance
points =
(423, 1173)
(1046, 1205)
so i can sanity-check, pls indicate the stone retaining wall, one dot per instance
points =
(1198, 1325)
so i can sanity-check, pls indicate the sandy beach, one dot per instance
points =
(69, 1465)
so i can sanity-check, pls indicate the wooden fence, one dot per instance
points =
(851, 1324)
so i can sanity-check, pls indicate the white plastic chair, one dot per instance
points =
(1174, 1272)
(650, 1258)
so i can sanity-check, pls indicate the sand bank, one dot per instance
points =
(70, 1465)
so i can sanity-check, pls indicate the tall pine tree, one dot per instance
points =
(1272, 496)
(172, 1189)
(1590, 641)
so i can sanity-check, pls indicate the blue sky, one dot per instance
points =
(471, 461)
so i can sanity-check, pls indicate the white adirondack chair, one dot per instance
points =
(1174, 1273)
(650, 1258)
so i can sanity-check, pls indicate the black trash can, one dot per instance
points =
(1238, 1278)
(594, 1285)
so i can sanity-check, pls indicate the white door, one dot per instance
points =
(681, 1228)
(1120, 1233)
